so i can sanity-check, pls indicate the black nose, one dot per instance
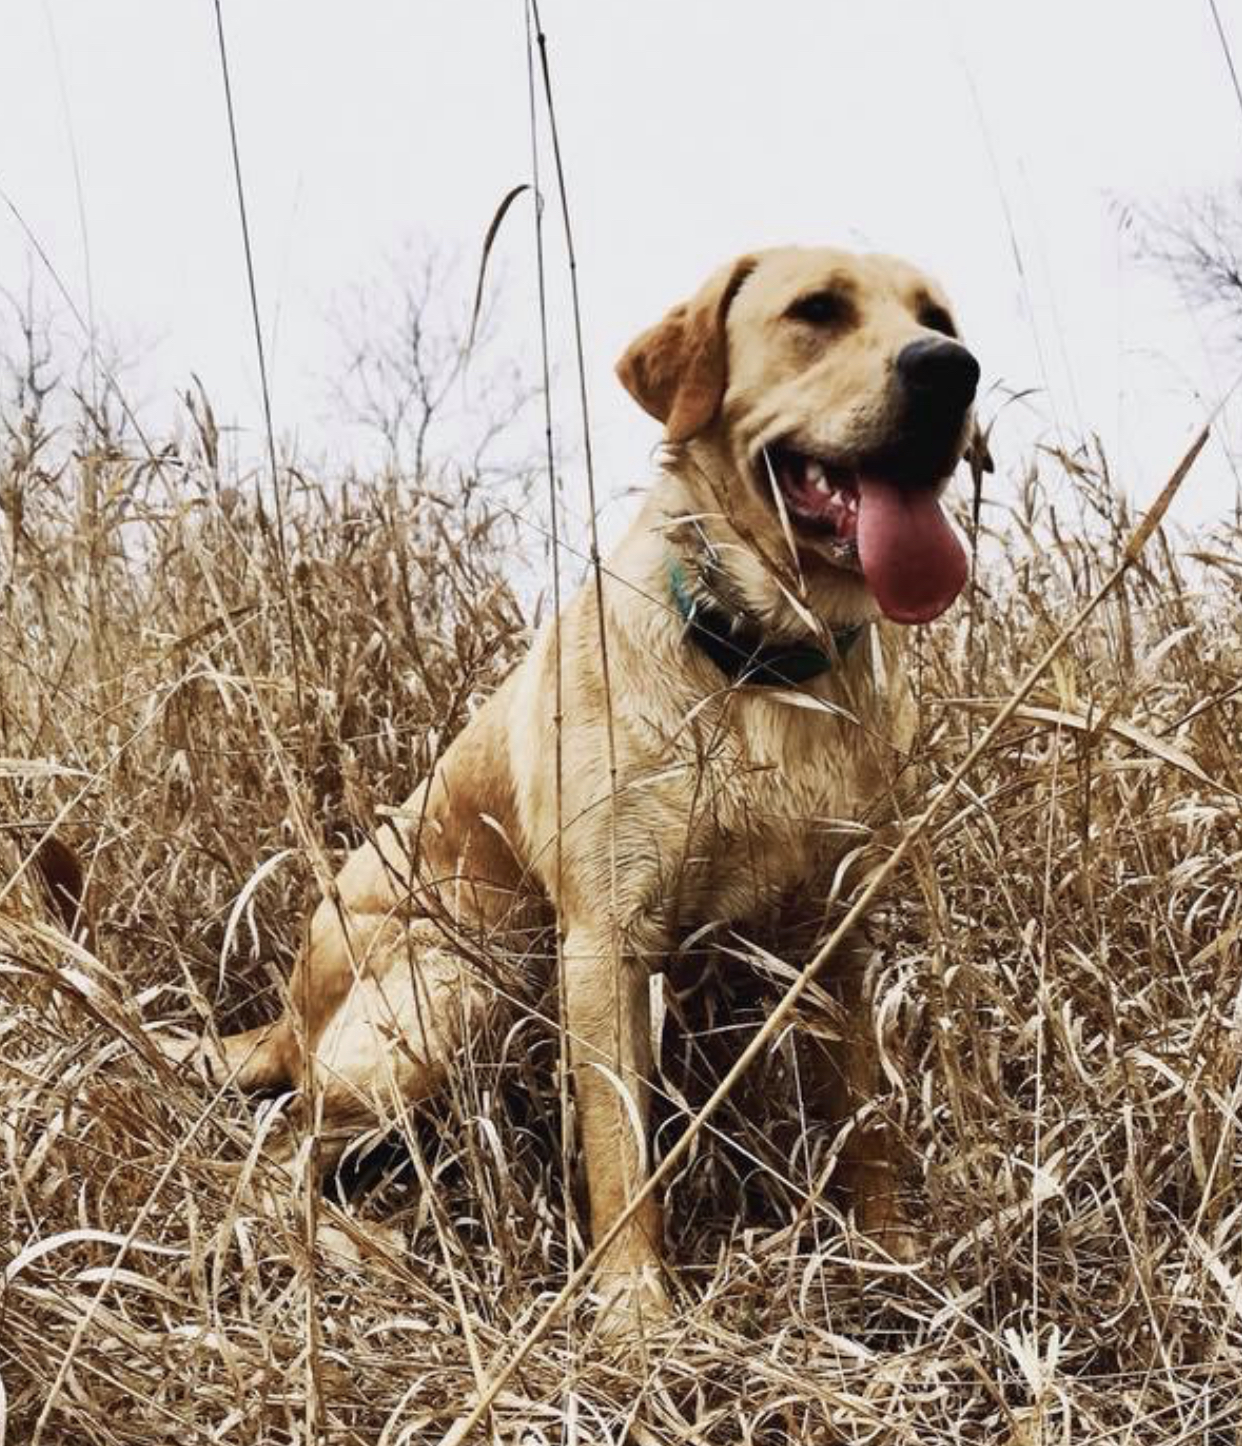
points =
(937, 370)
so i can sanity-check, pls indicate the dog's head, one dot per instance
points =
(836, 391)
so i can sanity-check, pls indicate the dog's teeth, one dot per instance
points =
(815, 473)
(822, 484)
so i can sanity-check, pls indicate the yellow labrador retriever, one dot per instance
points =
(814, 404)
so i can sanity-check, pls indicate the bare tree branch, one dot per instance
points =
(405, 338)
(1198, 242)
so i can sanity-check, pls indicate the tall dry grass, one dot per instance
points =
(1056, 990)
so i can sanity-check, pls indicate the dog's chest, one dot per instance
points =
(774, 795)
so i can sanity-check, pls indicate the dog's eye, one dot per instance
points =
(822, 308)
(936, 318)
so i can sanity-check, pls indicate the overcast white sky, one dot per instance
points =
(692, 131)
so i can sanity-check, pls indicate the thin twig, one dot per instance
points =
(597, 571)
(558, 717)
(310, 1177)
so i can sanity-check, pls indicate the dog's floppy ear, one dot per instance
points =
(676, 370)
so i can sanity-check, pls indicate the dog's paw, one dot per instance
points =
(354, 1242)
(632, 1303)
(187, 1051)
(900, 1240)
(881, 1216)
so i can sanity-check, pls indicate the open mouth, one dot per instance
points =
(820, 496)
(893, 532)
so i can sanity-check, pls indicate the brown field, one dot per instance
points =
(208, 710)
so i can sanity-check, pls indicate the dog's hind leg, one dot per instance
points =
(392, 1040)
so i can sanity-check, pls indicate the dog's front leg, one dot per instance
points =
(608, 1017)
(843, 1078)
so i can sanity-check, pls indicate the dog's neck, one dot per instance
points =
(737, 644)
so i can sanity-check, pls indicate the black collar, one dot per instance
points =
(738, 649)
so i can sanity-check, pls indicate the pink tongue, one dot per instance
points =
(910, 556)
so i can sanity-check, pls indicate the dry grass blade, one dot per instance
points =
(1077, 723)
(489, 240)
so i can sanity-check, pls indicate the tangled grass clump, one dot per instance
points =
(205, 712)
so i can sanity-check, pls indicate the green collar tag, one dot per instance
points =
(739, 650)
